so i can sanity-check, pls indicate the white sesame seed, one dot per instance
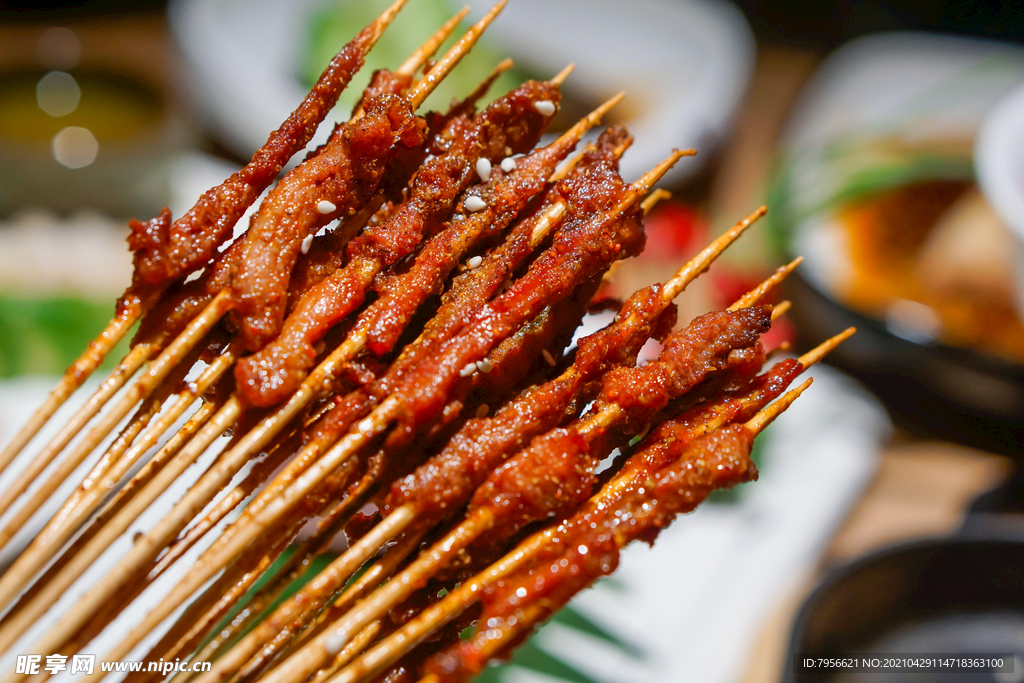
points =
(475, 262)
(325, 207)
(508, 164)
(548, 358)
(320, 347)
(484, 365)
(483, 169)
(474, 203)
(545, 107)
(336, 641)
(482, 410)
(468, 370)
(307, 242)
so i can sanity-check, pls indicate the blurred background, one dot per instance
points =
(886, 138)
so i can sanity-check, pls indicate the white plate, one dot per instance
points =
(687, 63)
(999, 162)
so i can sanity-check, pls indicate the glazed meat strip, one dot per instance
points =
(511, 123)
(166, 251)
(670, 458)
(468, 294)
(554, 475)
(327, 252)
(518, 356)
(483, 282)
(336, 182)
(531, 355)
(587, 546)
(445, 483)
(592, 236)
(504, 196)
(344, 173)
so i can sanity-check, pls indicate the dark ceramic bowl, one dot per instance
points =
(934, 389)
(958, 595)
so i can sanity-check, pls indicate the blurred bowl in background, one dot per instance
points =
(88, 118)
(999, 157)
(684, 65)
(876, 188)
(89, 130)
(962, 595)
(107, 153)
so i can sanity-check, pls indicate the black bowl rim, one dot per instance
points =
(956, 354)
(964, 536)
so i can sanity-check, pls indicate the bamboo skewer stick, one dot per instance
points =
(350, 651)
(654, 198)
(54, 572)
(768, 414)
(780, 309)
(391, 648)
(224, 468)
(304, 663)
(424, 52)
(158, 370)
(216, 601)
(367, 429)
(98, 483)
(351, 346)
(756, 294)
(451, 58)
(670, 291)
(132, 307)
(380, 571)
(72, 513)
(104, 536)
(129, 365)
(826, 347)
(79, 371)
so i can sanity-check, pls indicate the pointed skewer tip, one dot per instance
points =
(780, 309)
(454, 55)
(590, 120)
(654, 175)
(768, 414)
(381, 23)
(654, 198)
(703, 260)
(756, 294)
(562, 75)
(417, 59)
(825, 348)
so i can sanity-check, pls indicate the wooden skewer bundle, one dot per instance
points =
(448, 414)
